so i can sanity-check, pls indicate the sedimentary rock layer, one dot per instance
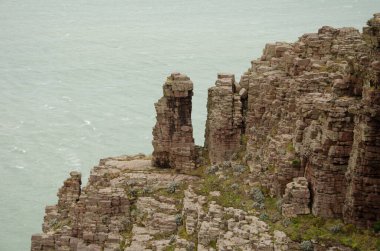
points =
(313, 111)
(224, 123)
(173, 140)
(128, 205)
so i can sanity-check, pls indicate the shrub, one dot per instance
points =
(146, 190)
(286, 222)
(226, 164)
(238, 168)
(172, 187)
(133, 192)
(335, 229)
(235, 186)
(211, 169)
(257, 195)
(178, 219)
(264, 217)
(306, 246)
(259, 206)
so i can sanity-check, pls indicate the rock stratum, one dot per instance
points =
(291, 161)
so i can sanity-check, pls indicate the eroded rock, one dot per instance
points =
(296, 200)
(173, 140)
(224, 123)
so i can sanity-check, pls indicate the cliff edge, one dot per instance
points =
(291, 161)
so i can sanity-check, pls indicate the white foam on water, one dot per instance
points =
(18, 150)
(89, 124)
(66, 98)
(49, 107)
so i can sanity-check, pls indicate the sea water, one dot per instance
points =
(78, 79)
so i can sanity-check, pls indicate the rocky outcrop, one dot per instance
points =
(296, 199)
(306, 111)
(224, 125)
(311, 113)
(362, 204)
(173, 140)
(129, 205)
(111, 208)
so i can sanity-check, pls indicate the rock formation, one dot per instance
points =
(296, 198)
(362, 204)
(303, 124)
(173, 140)
(131, 206)
(313, 112)
(224, 124)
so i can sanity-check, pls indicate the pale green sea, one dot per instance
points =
(78, 79)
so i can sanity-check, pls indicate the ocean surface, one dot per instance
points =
(78, 79)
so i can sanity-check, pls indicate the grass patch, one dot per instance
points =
(309, 227)
(126, 239)
(290, 148)
(213, 244)
(178, 194)
(169, 248)
(232, 189)
(57, 224)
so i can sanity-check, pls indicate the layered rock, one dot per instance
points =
(173, 140)
(129, 205)
(306, 112)
(224, 125)
(311, 112)
(296, 200)
(362, 205)
(111, 208)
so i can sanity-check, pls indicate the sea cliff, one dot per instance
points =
(291, 161)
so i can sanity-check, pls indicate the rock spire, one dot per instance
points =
(173, 140)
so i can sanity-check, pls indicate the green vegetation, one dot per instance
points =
(184, 235)
(170, 248)
(308, 227)
(243, 140)
(213, 244)
(233, 191)
(376, 227)
(175, 191)
(56, 224)
(290, 148)
(126, 239)
(296, 163)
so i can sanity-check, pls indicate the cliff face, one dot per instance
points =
(313, 111)
(302, 126)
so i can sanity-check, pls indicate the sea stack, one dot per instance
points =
(173, 140)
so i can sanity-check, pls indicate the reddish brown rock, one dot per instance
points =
(296, 200)
(362, 204)
(311, 112)
(173, 140)
(224, 123)
(310, 103)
